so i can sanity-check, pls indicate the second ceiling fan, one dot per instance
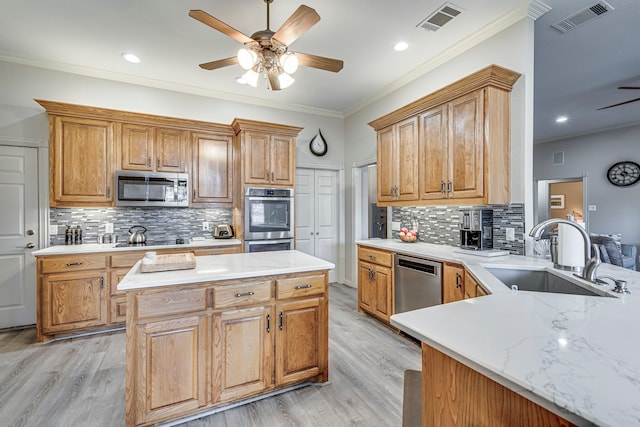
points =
(267, 51)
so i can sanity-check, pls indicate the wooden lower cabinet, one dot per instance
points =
(375, 283)
(194, 347)
(242, 367)
(172, 368)
(452, 283)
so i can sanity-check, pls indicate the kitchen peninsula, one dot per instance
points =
(234, 327)
(541, 358)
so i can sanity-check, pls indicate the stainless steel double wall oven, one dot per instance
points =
(268, 219)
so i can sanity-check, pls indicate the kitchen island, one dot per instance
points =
(575, 356)
(234, 327)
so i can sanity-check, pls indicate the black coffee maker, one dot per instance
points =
(476, 229)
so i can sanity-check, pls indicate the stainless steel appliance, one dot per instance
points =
(268, 245)
(417, 283)
(223, 231)
(138, 236)
(155, 189)
(476, 229)
(268, 213)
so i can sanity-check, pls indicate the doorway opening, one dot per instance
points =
(564, 198)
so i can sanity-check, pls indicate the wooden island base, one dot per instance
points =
(455, 395)
(195, 347)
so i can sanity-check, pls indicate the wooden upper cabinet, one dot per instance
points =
(268, 152)
(147, 148)
(398, 162)
(81, 158)
(212, 168)
(464, 144)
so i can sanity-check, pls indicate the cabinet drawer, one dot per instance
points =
(126, 260)
(375, 256)
(171, 302)
(242, 294)
(300, 286)
(73, 263)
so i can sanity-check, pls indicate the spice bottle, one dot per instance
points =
(78, 236)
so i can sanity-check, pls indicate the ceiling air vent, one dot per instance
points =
(437, 19)
(583, 16)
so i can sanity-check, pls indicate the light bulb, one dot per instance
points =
(251, 77)
(289, 62)
(247, 58)
(285, 80)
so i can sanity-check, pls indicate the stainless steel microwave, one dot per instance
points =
(153, 189)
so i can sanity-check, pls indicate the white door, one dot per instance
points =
(317, 214)
(19, 235)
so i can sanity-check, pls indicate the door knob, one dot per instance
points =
(30, 232)
(28, 246)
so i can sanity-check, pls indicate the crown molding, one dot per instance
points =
(537, 9)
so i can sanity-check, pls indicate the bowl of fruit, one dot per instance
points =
(407, 235)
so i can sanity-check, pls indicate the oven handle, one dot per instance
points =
(267, 242)
(285, 199)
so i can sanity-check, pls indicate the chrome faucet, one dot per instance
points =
(591, 263)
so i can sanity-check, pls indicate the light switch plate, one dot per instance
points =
(108, 227)
(592, 208)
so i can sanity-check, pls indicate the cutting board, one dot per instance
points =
(168, 262)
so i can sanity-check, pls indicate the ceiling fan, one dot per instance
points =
(267, 51)
(625, 102)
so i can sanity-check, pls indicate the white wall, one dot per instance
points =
(591, 155)
(511, 48)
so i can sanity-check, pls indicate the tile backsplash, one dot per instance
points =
(439, 224)
(161, 223)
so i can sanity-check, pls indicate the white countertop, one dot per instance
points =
(87, 248)
(578, 356)
(227, 267)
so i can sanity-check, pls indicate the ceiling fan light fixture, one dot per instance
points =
(247, 58)
(251, 78)
(285, 80)
(289, 62)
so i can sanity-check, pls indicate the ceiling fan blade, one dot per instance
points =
(214, 65)
(298, 23)
(217, 24)
(320, 62)
(621, 103)
(628, 87)
(273, 80)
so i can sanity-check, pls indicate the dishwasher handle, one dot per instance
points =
(423, 266)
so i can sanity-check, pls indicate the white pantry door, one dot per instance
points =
(18, 235)
(317, 214)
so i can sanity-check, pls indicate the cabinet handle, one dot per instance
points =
(108, 191)
(280, 321)
(246, 294)
(303, 286)
(273, 176)
(158, 167)
(448, 186)
(194, 193)
(268, 323)
(148, 161)
(73, 264)
(442, 187)
(457, 280)
(102, 283)
(372, 256)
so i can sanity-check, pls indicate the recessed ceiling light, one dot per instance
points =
(400, 46)
(562, 119)
(131, 58)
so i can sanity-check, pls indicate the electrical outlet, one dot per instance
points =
(53, 229)
(205, 225)
(395, 225)
(108, 227)
(511, 234)
(592, 208)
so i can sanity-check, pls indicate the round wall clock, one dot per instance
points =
(624, 174)
(318, 145)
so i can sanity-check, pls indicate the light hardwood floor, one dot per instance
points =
(80, 381)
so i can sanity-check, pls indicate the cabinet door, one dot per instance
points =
(470, 286)
(386, 164)
(256, 157)
(169, 150)
(366, 287)
(433, 154)
(81, 157)
(171, 372)
(384, 292)
(407, 159)
(453, 283)
(466, 146)
(282, 160)
(242, 362)
(212, 169)
(136, 147)
(73, 300)
(301, 340)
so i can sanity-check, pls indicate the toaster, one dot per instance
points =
(223, 231)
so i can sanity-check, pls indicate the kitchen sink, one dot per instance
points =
(540, 281)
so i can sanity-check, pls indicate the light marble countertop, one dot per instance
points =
(227, 267)
(578, 356)
(87, 248)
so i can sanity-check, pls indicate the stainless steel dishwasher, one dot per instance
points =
(418, 283)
